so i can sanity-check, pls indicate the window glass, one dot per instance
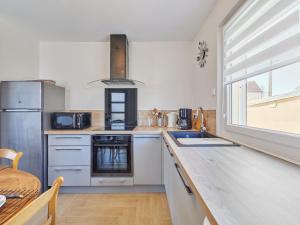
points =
(273, 100)
(118, 107)
(261, 65)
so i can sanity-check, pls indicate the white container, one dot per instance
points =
(172, 119)
(160, 122)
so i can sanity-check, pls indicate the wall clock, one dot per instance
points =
(202, 53)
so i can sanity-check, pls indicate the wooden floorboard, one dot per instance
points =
(113, 209)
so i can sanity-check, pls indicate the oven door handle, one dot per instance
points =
(111, 145)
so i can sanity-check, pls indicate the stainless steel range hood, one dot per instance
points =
(119, 61)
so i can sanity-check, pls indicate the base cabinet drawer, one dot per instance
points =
(111, 181)
(69, 155)
(69, 140)
(186, 209)
(183, 205)
(73, 175)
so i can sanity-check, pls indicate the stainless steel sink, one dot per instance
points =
(198, 139)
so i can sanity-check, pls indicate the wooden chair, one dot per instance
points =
(11, 155)
(47, 198)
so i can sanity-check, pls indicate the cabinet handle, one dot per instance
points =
(68, 169)
(166, 143)
(68, 137)
(170, 152)
(68, 149)
(145, 137)
(187, 188)
(103, 181)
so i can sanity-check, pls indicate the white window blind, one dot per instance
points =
(262, 36)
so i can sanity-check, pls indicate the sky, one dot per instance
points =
(285, 80)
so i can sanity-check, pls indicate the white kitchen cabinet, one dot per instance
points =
(147, 160)
(165, 165)
(188, 211)
(183, 205)
(69, 156)
(77, 140)
(168, 175)
(73, 175)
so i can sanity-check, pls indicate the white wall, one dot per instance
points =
(206, 78)
(19, 53)
(282, 146)
(165, 67)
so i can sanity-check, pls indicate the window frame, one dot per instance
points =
(276, 143)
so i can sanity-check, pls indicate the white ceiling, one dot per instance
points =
(94, 20)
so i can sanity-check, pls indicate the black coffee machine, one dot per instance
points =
(185, 119)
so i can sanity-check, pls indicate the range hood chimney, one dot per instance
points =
(119, 65)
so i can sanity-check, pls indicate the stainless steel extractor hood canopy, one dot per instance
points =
(119, 62)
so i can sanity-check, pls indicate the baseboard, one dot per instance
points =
(119, 189)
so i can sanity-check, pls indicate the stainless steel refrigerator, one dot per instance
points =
(25, 113)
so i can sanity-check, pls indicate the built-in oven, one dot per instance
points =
(112, 156)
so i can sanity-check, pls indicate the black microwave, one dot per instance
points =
(70, 120)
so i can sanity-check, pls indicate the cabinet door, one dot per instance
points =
(73, 175)
(165, 166)
(69, 155)
(187, 210)
(169, 175)
(184, 207)
(70, 140)
(147, 160)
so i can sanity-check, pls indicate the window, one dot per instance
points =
(261, 65)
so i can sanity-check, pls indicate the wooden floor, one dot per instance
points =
(113, 209)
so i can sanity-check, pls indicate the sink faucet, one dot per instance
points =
(202, 126)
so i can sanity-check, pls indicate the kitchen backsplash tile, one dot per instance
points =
(144, 115)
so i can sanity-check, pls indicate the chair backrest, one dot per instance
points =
(11, 155)
(47, 198)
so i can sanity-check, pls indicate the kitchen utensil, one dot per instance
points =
(11, 196)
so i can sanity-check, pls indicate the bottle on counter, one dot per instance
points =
(160, 121)
(165, 119)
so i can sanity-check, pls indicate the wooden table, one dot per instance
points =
(17, 182)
